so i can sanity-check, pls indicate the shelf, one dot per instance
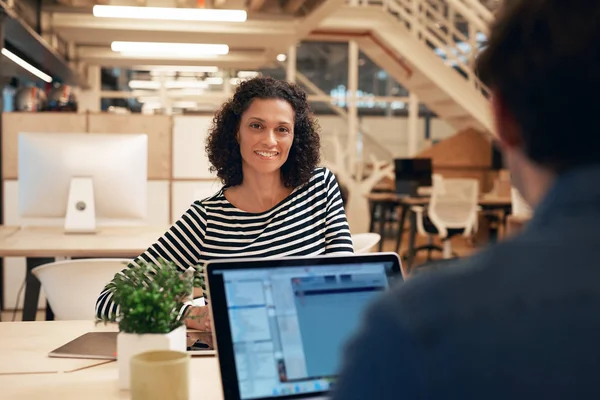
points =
(36, 49)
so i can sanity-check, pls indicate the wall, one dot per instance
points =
(178, 168)
(390, 134)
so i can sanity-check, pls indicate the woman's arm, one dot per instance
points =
(181, 244)
(337, 234)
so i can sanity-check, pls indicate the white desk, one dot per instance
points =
(31, 341)
(53, 242)
(41, 245)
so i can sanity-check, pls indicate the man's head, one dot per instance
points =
(543, 66)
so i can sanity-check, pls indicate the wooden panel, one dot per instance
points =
(15, 122)
(467, 149)
(158, 129)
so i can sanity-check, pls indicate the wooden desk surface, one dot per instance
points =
(53, 242)
(24, 346)
(33, 340)
(485, 200)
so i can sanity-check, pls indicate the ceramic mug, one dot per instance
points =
(159, 375)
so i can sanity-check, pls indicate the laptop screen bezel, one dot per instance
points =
(223, 341)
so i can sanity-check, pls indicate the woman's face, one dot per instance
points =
(266, 135)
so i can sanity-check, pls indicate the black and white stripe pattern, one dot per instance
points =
(310, 221)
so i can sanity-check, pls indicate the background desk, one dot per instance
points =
(23, 350)
(41, 245)
(387, 201)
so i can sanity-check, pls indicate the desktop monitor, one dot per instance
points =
(412, 173)
(83, 177)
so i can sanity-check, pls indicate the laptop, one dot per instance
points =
(281, 325)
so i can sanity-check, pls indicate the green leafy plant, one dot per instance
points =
(151, 297)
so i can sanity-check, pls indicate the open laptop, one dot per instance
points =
(280, 325)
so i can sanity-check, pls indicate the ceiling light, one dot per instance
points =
(170, 49)
(214, 80)
(174, 68)
(281, 57)
(168, 13)
(184, 104)
(247, 74)
(186, 84)
(25, 65)
(155, 85)
(135, 84)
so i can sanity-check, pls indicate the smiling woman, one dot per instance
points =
(275, 201)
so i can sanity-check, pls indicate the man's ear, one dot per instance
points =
(507, 130)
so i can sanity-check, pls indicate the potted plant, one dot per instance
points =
(151, 312)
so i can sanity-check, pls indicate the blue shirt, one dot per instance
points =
(518, 320)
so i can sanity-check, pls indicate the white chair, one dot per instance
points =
(365, 242)
(453, 209)
(72, 286)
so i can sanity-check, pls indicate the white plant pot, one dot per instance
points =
(130, 344)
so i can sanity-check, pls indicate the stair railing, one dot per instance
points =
(453, 29)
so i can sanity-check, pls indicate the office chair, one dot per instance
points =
(452, 210)
(72, 286)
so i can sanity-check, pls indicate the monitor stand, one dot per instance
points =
(81, 210)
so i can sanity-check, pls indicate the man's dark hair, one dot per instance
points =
(224, 151)
(542, 61)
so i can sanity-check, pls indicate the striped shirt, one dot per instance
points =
(310, 221)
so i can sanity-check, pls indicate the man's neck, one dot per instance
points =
(537, 181)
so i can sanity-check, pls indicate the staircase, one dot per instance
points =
(426, 45)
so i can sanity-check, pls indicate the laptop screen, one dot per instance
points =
(289, 325)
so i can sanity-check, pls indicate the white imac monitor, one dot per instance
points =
(83, 177)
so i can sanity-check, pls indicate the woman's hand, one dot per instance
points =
(199, 318)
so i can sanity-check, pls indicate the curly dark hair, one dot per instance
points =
(223, 148)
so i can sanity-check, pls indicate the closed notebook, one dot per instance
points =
(103, 346)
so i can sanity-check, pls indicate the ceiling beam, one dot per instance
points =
(318, 15)
(88, 30)
(256, 5)
(104, 56)
(70, 20)
(292, 6)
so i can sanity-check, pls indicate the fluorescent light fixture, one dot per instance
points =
(155, 85)
(25, 65)
(247, 74)
(281, 57)
(170, 14)
(155, 70)
(184, 104)
(170, 49)
(148, 99)
(144, 84)
(214, 80)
